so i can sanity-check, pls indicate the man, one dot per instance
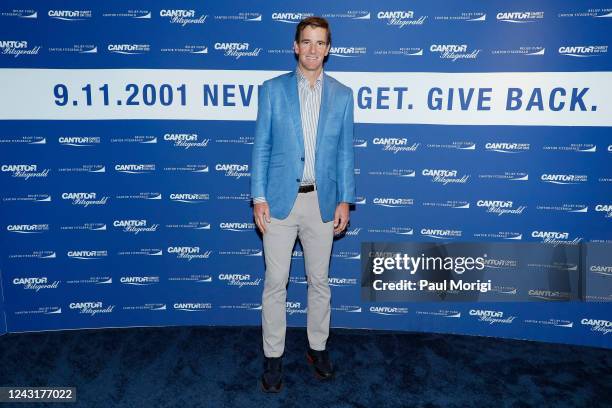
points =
(302, 182)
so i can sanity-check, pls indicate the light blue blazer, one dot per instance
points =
(278, 151)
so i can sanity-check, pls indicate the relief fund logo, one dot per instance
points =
(17, 48)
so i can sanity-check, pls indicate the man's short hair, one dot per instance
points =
(313, 21)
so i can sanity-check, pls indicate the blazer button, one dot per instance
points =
(298, 180)
(302, 159)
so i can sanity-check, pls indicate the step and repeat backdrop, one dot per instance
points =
(126, 130)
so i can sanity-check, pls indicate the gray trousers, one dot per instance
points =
(316, 238)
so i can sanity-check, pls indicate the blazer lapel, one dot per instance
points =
(293, 103)
(326, 101)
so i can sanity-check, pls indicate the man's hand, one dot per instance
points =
(261, 212)
(341, 217)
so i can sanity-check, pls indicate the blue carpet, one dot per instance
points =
(220, 367)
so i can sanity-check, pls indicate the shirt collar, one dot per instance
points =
(304, 80)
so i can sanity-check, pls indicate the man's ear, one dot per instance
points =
(295, 47)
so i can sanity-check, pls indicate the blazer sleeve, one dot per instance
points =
(346, 160)
(262, 144)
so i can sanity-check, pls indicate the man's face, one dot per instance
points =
(312, 48)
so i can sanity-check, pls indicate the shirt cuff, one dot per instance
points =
(259, 200)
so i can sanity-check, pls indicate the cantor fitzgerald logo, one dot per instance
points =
(520, 17)
(553, 237)
(295, 308)
(237, 226)
(189, 198)
(183, 17)
(189, 252)
(27, 228)
(445, 176)
(135, 226)
(237, 50)
(395, 144)
(342, 282)
(388, 311)
(192, 306)
(549, 294)
(507, 147)
(598, 325)
(87, 255)
(70, 15)
(129, 49)
(19, 13)
(500, 263)
(491, 316)
(18, 48)
(85, 199)
(401, 18)
(564, 178)
(605, 270)
(500, 207)
(135, 168)
(24, 171)
(393, 202)
(91, 308)
(186, 140)
(239, 279)
(79, 141)
(348, 52)
(583, 51)
(290, 17)
(139, 280)
(454, 52)
(606, 209)
(441, 233)
(233, 170)
(36, 283)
